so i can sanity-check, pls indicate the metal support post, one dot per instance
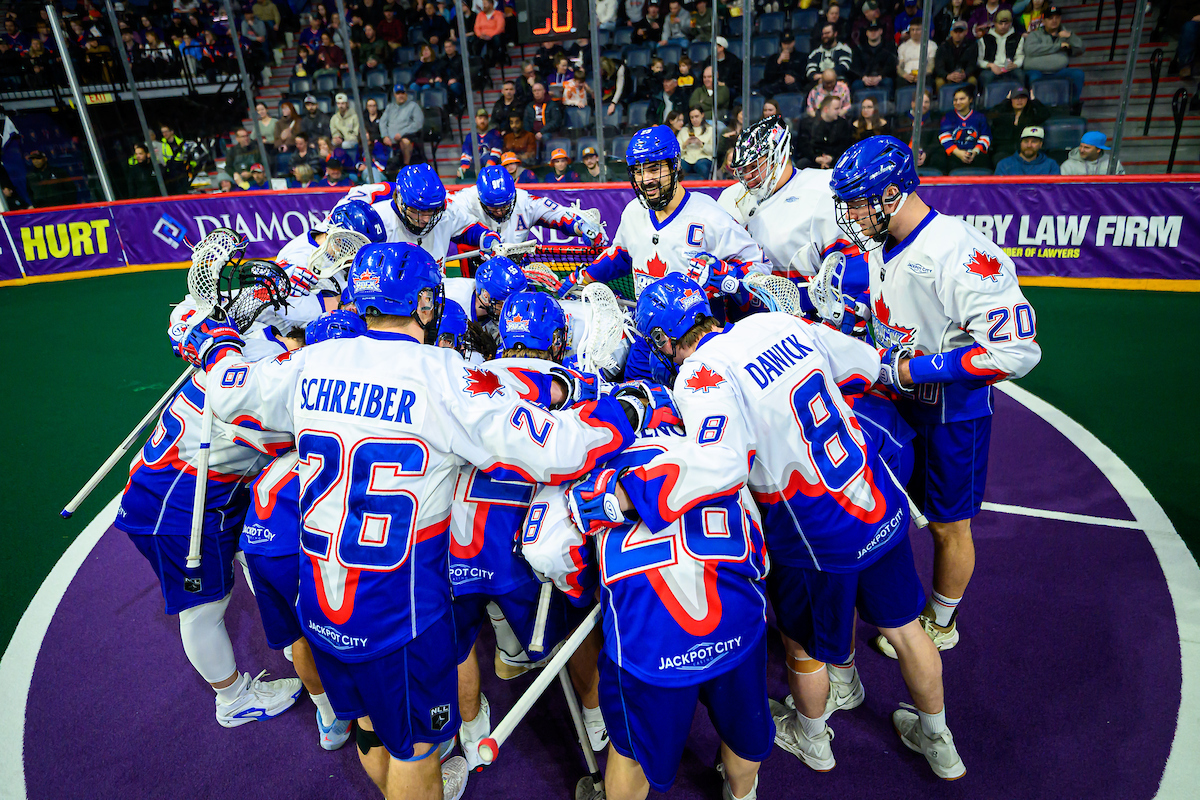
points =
(236, 39)
(1135, 42)
(137, 99)
(922, 74)
(466, 62)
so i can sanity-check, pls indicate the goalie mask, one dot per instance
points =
(761, 155)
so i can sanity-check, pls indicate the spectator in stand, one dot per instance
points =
(635, 10)
(770, 109)
(315, 122)
(649, 28)
(10, 66)
(580, 52)
(266, 127)
(547, 57)
(612, 83)
(268, 12)
(728, 139)
(871, 12)
(729, 66)
(965, 133)
(391, 29)
(335, 175)
(520, 141)
(343, 125)
(327, 150)
(372, 116)
(562, 73)
(289, 125)
(1001, 52)
(957, 58)
(703, 96)
(676, 120)
(517, 169)
(310, 37)
(697, 139)
(371, 11)
(828, 85)
(908, 55)
(1049, 48)
(784, 71)
(943, 21)
(305, 153)
(373, 52)
(1185, 53)
(330, 55)
(452, 73)
(542, 116)
(662, 103)
(577, 93)
(303, 176)
(685, 78)
(434, 26)
(258, 179)
(875, 60)
(489, 140)
(225, 184)
(560, 167)
(1013, 116)
(702, 22)
(307, 62)
(139, 177)
(929, 152)
(400, 129)
(427, 69)
(489, 33)
(591, 166)
(255, 31)
(677, 24)
(12, 35)
(1032, 16)
(45, 185)
(1091, 157)
(822, 139)
(831, 54)
(39, 66)
(870, 122)
(1029, 160)
(984, 16)
(832, 16)
(606, 14)
(175, 160)
(912, 12)
(241, 155)
(508, 103)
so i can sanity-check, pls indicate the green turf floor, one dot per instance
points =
(84, 359)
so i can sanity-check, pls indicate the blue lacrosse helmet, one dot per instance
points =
(534, 321)
(334, 325)
(399, 279)
(419, 189)
(347, 297)
(497, 192)
(864, 172)
(358, 216)
(453, 326)
(667, 309)
(657, 143)
(500, 278)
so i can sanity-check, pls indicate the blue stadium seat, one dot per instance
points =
(1052, 91)
(612, 122)
(623, 36)
(735, 47)
(753, 109)
(587, 141)
(638, 56)
(300, 86)
(904, 99)
(791, 104)
(378, 79)
(402, 75)
(381, 98)
(560, 141)
(763, 47)
(404, 56)
(1063, 133)
(615, 53)
(757, 73)
(670, 53)
(637, 115)
(804, 21)
(772, 23)
(324, 103)
(996, 93)
(325, 83)
(699, 51)
(579, 118)
(617, 146)
(433, 97)
(945, 98)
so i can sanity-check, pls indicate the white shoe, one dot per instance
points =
(287, 653)
(509, 667)
(336, 735)
(258, 699)
(727, 792)
(938, 750)
(944, 638)
(454, 778)
(816, 753)
(597, 731)
(445, 749)
(470, 734)
(842, 696)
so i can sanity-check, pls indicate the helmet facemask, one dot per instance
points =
(866, 223)
(431, 301)
(414, 224)
(501, 213)
(665, 193)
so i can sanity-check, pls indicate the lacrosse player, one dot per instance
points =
(483, 296)
(941, 290)
(498, 203)
(383, 424)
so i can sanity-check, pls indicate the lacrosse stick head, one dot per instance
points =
(825, 289)
(606, 346)
(251, 287)
(775, 292)
(209, 258)
(336, 253)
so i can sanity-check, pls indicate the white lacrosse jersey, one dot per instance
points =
(383, 425)
(762, 404)
(948, 289)
(302, 308)
(530, 210)
(651, 249)
(796, 226)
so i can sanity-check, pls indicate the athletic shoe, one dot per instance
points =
(470, 734)
(454, 778)
(938, 750)
(727, 792)
(945, 638)
(445, 748)
(816, 752)
(597, 731)
(336, 735)
(842, 696)
(509, 667)
(258, 699)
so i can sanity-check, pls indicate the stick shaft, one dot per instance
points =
(537, 642)
(123, 448)
(577, 717)
(201, 496)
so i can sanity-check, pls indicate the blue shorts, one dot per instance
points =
(950, 468)
(410, 694)
(520, 609)
(167, 554)
(816, 609)
(276, 582)
(650, 724)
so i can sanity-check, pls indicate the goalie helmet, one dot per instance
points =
(761, 154)
(358, 216)
(401, 280)
(666, 310)
(497, 192)
(863, 176)
(500, 277)
(419, 192)
(534, 321)
(334, 325)
(648, 146)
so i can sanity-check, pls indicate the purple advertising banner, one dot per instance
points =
(1123, 230)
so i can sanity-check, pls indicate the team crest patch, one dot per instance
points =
(656, 267)
(366, 281)
(703, 380)
(691, 297)
(439, 716)
(517, 323)
(887, 334)
(482, 381)
(985, 266)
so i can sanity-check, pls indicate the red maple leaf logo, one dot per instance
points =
(703, 380)
(656, 267)
(984, 266)
(883, 316)
(482, 381)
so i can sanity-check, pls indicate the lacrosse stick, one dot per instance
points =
(507, 250)
(604, 348)
(775, 292)
(489, 748)
(336, 252)
(825, 289)
(917, 517)
(591, 786)
(537, 642)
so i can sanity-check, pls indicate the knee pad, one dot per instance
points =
(804, 665)
(206, 642)
(366, 740)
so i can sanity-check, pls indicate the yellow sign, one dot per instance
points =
(98, 98)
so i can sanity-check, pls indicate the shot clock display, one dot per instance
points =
(547, 20)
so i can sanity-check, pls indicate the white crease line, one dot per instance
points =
(1086, 519)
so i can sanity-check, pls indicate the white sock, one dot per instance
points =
(229, 693)
(750, 795)
(321, 701)
(944, 608)
(933, 724)
(506, 641)
(477, 729)
(206, 642)
(843, 673)
(812, 727)
(592, 715)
